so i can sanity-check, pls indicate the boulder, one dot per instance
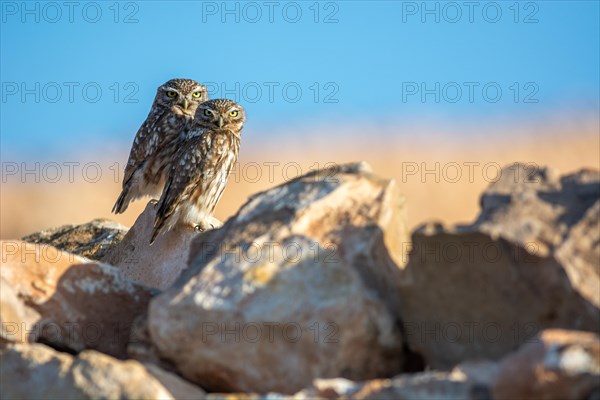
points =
(36, 371)
(289, 289)
(558, 364)
(66, 300)
(14, 314)
(156, 265)
(471, 381)
(549, 215)
(528, 263)
(141, 348)
(579, 253)
(92, 240)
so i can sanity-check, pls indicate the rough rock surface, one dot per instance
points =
(580, 255)
(550, 215)
(528, 263)
(92, 240)
(156, 265)
(426, 385)
(65, 300)
(557, 365)
(36, 371)
(141, 348)
(308, 292)
(287, 290)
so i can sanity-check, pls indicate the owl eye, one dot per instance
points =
(196, 95)
(171, 93)
(233, 113)
(207, 112)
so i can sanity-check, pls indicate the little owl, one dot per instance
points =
(157, 140)
(201, 167)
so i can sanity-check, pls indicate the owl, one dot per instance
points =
(201, 167)
(156, 140)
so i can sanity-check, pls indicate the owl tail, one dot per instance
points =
(122, 202)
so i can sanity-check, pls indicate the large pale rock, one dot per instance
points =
(156, 265)
(65, 300)
(289, 288)
(561, 365)
(35, 371)
(527, 264)
(92, 240)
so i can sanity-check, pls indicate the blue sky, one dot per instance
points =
(85, 77)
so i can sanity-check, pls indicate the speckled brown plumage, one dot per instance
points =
(157, 140)
(203, 163)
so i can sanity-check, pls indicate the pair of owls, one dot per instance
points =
(182, 155)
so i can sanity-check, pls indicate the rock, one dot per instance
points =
(430, 385)
(331, 389)
(246, 396)
(288, 289)
(92, 240)
(156, 265)
(580, 255)
(465, 382)
(481, 290)
(177, 387)
(36, 371)
(66, 300)
(558, 364)
(141, 348)
(550, 215)
(14, 314)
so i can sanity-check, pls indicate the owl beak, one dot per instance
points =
(185, 104)
(220, 122)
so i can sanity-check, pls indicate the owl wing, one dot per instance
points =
(147, 140)
(184, 177)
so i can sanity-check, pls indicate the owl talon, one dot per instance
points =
(199, 228)
(202, 227)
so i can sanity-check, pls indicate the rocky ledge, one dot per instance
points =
(316, 289)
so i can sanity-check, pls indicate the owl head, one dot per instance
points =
(181, 96)
(220, 114)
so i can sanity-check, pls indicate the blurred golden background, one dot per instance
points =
(441, 178)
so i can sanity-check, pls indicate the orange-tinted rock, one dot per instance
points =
(70, 302)
(289, 289)
(557, 364)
